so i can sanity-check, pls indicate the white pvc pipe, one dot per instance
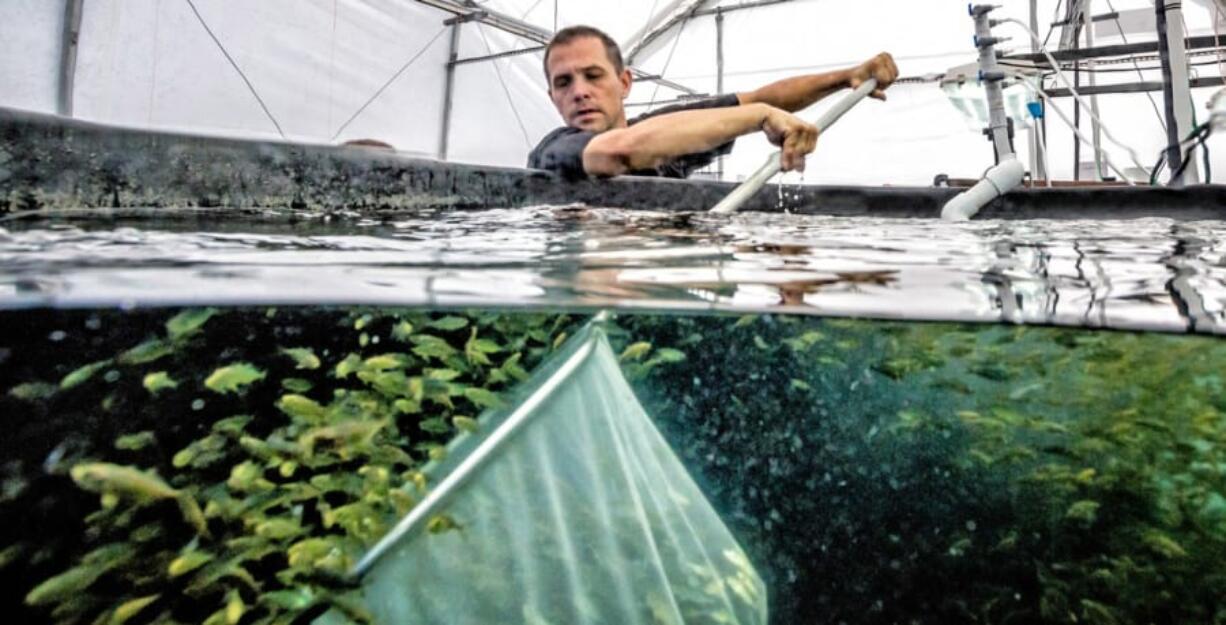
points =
(999, 180)
(751, 186)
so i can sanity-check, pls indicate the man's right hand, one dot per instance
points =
(794, 135)
(880, 67)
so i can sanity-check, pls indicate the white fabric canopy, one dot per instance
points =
(316, 63)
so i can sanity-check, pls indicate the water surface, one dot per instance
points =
(1142, 274)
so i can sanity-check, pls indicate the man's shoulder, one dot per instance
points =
(562, 151)
(534, 157)
(558, 132)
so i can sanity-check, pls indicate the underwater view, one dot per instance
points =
(235, 464)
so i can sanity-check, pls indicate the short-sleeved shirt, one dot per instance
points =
(562, 149)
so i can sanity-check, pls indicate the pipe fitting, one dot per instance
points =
(999, 180)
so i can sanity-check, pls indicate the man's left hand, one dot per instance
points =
(881, 67)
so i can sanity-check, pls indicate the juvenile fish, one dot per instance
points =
(112, 479)
(348, 434)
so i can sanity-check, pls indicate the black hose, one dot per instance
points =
(1198, 137)
(1173, 157)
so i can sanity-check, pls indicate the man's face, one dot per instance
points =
(585, 87)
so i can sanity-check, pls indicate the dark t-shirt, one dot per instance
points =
(562, 149)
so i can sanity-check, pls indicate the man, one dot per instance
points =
(588, 83)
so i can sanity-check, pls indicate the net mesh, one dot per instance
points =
(582, 515)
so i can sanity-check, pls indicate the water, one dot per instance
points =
(1137, 274)
(874, 471)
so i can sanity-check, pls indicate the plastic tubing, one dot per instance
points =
(1041, 140)
(1106, 158)
(1046, 158)
(1064, 79)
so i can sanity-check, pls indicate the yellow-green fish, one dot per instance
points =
(129, 609)
(347, 433)
(635, 351)
(233, 378)
(158, 381)
(303, 357)
(115, 480)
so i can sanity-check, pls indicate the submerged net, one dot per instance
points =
(569, 508)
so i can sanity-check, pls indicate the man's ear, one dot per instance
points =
(627, 82)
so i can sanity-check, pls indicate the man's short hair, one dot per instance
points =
(570, 33)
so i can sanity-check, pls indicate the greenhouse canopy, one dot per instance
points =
(329, 71)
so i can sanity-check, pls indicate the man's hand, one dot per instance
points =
(796, 136)
(881, 67)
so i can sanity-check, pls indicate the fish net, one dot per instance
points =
(569, 508)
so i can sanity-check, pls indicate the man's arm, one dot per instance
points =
(651, 142)
(800, 92)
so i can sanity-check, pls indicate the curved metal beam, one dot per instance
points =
(68, 55)
(677, 12)
(531, 32)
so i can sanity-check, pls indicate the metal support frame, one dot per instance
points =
(493, 19)
(645, 37)
(1178, 93)
(662, 81)
(991, 75)
(498, 55)
(68, 55)
(1077, 115)
(671, 15)
(729, 8)
(1096, 131)
(1075, 17)
(531, 32)
(449, 88)
(1136, 87)
(1191, 43)
(1037, 168)
(719, 75)
(719, 53)
(679, 100)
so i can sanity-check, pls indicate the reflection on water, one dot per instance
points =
(1149, 273)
